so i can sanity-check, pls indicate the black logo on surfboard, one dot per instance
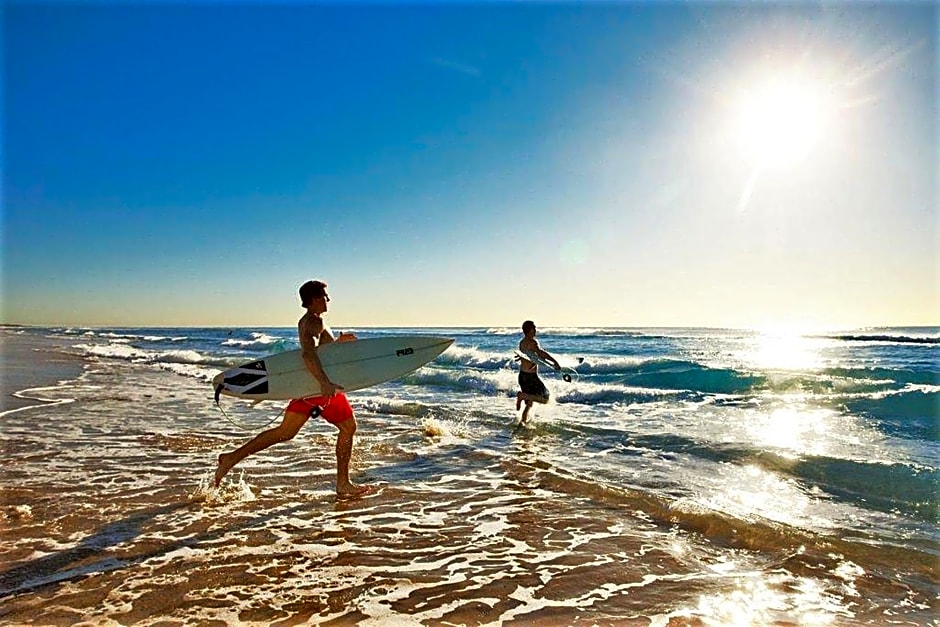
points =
(401, 352)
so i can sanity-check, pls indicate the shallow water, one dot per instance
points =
(680, 479)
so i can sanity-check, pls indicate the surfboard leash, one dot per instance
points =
(218, 394)
(315, 411)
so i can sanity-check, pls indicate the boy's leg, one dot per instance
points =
(288, 428)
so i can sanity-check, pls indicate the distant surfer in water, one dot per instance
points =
(332, 405)
(533, 389)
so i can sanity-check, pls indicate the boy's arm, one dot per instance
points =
(312, 360)
(548, 357)
(326, 336)
(544, 355)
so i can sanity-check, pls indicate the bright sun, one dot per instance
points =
(778, 123)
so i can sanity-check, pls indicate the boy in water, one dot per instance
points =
(333, 404)
(533, 389)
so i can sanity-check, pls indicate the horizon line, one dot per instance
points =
(480, 326)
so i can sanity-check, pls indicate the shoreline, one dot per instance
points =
(30, 361)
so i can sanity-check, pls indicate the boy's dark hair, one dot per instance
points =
(527, 326)
(311, 290)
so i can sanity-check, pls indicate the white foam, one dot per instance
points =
(469, 356)
(17, 512)
(229, 492)
(130, 353)
(258, 341)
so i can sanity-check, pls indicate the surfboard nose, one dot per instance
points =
(445, 344)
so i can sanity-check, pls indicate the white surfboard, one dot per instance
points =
(566, 373)
(353, 365)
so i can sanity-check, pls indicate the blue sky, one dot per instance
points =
(471, 164)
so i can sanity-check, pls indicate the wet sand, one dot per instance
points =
(29, 362)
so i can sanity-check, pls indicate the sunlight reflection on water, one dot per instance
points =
(793, 431)
(783, 350)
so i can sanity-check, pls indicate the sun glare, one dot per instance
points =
(783, 349)
(780, 122)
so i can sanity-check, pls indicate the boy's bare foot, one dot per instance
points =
(225, 465)
(352, 491)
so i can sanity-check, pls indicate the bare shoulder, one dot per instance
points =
(528, 346)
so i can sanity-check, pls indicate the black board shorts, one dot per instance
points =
(531, 384)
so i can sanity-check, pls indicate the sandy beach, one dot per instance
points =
(31, 362)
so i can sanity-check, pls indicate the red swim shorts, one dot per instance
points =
(335, 410)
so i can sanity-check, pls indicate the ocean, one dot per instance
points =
(683, 477)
